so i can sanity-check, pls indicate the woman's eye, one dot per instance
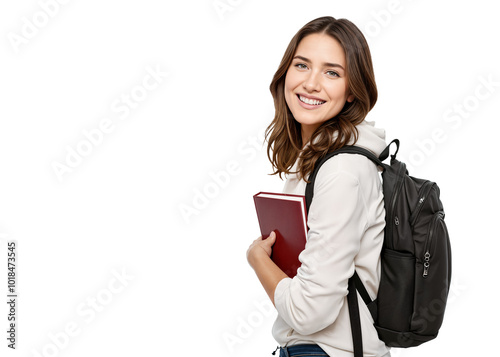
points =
(301, 66)
(333, 73)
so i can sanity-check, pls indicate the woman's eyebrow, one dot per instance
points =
(326, 64)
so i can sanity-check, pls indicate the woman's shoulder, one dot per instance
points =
(355, 166)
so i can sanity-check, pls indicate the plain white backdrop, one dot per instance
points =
(131, 146)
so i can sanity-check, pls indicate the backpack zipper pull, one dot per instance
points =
(427, 257)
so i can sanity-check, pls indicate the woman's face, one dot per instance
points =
(316, 83)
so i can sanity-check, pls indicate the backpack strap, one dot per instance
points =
(371, 304)
(343, 150)
(361, 151)
(352, 300)
(354, 284)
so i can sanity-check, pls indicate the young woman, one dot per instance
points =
(323, 90)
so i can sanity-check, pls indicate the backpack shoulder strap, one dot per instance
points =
(360, 287)
(357, 337)
(344, 150)
(361, 151)
(354, 284)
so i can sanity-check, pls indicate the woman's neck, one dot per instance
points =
(306, 132)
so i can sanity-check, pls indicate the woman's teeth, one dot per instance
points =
(310, 101)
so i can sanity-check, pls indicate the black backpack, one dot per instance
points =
(415, 258)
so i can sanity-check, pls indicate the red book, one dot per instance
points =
(285, 214)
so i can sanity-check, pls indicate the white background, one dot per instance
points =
(190, 289)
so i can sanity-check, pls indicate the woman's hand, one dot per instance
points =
(258, 256)
(259, 247)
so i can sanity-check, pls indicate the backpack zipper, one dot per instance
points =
(427, 255)
(395, 194)
(426, 188)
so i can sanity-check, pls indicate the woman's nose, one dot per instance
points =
(311, 83)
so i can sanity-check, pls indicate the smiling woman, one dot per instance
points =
(323, 89)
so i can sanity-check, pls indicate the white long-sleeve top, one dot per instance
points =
(346, 228)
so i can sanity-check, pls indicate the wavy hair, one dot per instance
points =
(284, 134)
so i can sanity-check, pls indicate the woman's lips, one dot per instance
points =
(307, 105)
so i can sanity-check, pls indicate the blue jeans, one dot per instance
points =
(302, 350)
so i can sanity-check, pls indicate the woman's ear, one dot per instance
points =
(350, 98)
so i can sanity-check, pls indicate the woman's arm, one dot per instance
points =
(258, 256)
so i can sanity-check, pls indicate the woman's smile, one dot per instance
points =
(310, 102)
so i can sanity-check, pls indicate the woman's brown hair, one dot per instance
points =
(284, 135)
